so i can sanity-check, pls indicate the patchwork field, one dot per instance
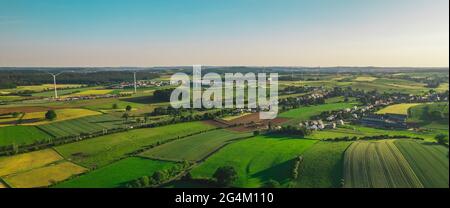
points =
(365, 79)
(20, 135)
(92, 92)
(361, 131)
(117, 174)
(256, 160)
(229, 118)
(323, 165)
(89, 124)
(121, 105)
(27, 161)
(195, 147)
(38, 118)
(100, 151)
(39, 88)
(305, 113)
(398, 108)
(429, 162)
(378, 164)
(44, 176)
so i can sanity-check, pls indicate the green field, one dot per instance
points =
(100, 151)
(117, 174)
(21, 135)
(378, 164)
(361, 131)
(381, 85)
(121, 105)
(61, 92)
(257, 160)
(421, 113)
(429, 162)
(322, 165)
(305, 113)
(89, 124)
(195, 147)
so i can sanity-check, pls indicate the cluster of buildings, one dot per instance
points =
(140, 83)
(316, 125)
(85, 97)
(387, 121)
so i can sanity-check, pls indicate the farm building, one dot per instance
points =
(389, 121)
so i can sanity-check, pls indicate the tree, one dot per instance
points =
(115, 106)
(271, 184)
(225, 176)
(158, 176)
(145, 181)
(15, 114)
(125, 116)
(50, 115)
(441, 139)
(128, 108)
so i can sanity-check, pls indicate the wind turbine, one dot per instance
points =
(135, 87)
(54, 82)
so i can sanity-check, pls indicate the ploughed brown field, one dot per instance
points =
(246, 123)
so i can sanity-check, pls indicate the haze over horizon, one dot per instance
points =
(114, 33)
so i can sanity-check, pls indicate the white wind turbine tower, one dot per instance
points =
(54, 82)
(135, 85)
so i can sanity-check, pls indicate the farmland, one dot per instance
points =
(361, 131)
(257, 160)
(27, 161)
(44, 176)
(398, 108)
(429, 162)
(38, 118)
(195, 147)
(322, 165)
(92, 92)
(116, 174)
(96, 143)
(100, 151)
(89, 124)
(378, 164)
(305, 113)
(39, 88)
(21, 135)
(429, 112)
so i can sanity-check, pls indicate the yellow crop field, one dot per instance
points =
(398, 108)
(2, 185)
(27, 161)
(40, 88)
(365, 79)
(62, 114)
(92, 92)
(44, 176)
(443, 87)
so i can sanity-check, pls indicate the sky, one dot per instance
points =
(91, 33)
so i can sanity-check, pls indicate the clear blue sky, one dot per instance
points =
(224, 32)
